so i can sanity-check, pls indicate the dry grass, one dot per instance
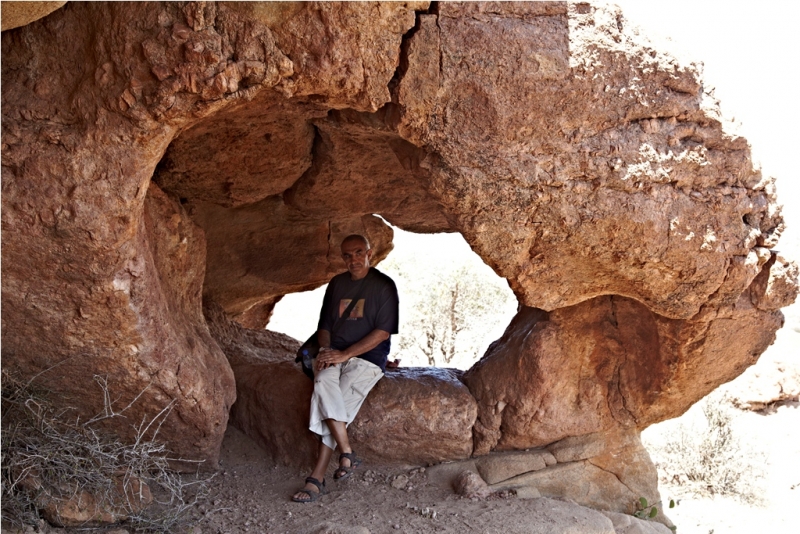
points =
(49, 456)
(707, 458)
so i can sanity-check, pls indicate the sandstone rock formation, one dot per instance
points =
(155, 153)
(604, 470)
(413, 416)
(608, 195)
(607, 363)
(16, 14)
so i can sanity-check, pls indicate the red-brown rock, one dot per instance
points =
(246, 273)
(579, 162)
(606, 363)
(16, 14)
(588, 169)
(345, 53)
(412, 416)
(416, 416)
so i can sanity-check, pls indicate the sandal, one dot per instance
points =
(344, 472)
(312, 495)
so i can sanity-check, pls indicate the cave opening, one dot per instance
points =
(452, 305)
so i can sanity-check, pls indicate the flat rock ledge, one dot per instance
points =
(606, 471)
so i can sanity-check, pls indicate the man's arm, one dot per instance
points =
(328, 357)
(324, 339)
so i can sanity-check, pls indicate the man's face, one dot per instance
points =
(356, 256)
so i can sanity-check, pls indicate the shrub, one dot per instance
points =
(707, 457)
(56, 466)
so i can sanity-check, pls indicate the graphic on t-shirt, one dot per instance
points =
(356, 313)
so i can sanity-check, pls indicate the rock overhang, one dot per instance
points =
(595, 167)
(578, 162)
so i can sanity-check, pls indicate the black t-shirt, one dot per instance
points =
(377, 308)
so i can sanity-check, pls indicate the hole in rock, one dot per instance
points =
(452, 305)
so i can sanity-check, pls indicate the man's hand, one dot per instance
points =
(328, 357)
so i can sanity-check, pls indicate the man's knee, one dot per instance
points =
(330, 375)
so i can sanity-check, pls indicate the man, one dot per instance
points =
(352, 357)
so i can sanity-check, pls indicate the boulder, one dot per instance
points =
(605, 471)
(71, 506)
(412, 416)
(272, 394)
(495, 468)
(605, 364)
(16, 14)
(416, 416)
(470, 485)
(627, 524)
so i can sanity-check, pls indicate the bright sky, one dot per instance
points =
(751, 53)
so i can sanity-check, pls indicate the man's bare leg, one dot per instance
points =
(339, 432)
(323, 459)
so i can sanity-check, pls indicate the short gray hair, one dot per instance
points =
(356, 237)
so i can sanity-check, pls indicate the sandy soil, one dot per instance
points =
(776, 435)
(250, 496)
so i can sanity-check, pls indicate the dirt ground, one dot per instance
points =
(250, 496)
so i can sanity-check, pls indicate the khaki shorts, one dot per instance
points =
(339, 392)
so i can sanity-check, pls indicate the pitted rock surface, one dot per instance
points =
(597, 180)
(154, 152)
(606, 363)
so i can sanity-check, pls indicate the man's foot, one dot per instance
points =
(312, 491)
(348, 461)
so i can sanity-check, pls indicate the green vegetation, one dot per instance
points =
(647, 511)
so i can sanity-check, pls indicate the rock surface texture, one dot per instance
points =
(16, 14)
(604, 470)
(156, 154)
(412, 416)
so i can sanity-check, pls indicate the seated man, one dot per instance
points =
(352, 357)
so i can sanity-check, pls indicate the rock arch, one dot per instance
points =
(153, 153)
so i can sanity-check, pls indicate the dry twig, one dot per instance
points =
(50, 456)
